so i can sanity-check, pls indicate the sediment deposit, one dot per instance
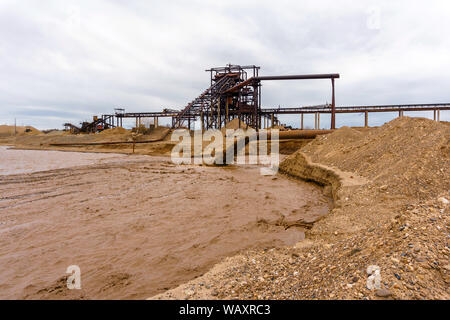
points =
(391, 189)
(138, 225)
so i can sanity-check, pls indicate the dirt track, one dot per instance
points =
(138, 226)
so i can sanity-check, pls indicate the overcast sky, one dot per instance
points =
(63, 61)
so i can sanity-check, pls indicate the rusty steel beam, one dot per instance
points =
(147, 114)
(287, 77)
(358, 109)
(240, 85)
(300, 77)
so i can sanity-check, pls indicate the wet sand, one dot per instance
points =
(15, 161)
(137, 225)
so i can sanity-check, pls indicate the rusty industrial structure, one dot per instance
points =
(235, 92)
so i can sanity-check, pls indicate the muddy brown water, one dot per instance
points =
(15, 161)
(135, 225)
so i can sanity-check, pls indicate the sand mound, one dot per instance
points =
(408, 154)
(236, 124)
(118, 130)
(6, 130)
(157, 133)
(57, 133)
(281, 128)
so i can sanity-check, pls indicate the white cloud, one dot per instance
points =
(79, 58)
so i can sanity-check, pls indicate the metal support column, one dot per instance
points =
(333, 106)
(315, 120)
(202, 120)
(255, 107)
(318, 120)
